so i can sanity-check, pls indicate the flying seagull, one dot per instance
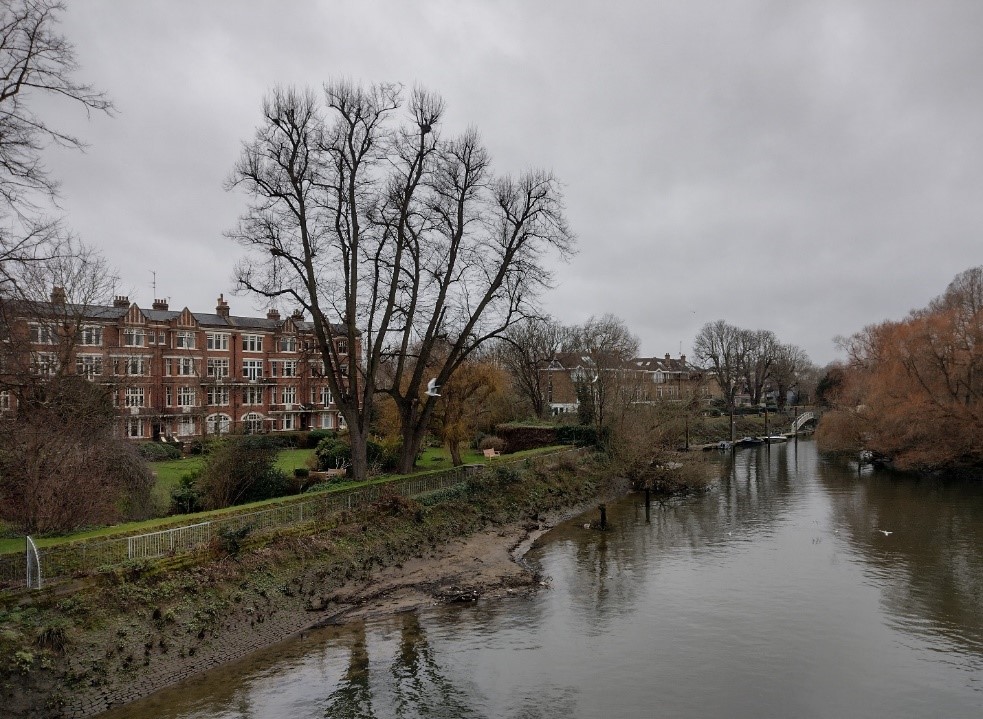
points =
(432, 388)
(885, 532)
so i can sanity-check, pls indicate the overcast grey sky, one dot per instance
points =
(804, 167)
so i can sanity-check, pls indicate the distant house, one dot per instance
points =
(651, 379)
(674, 380)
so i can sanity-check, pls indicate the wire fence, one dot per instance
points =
(79, 558)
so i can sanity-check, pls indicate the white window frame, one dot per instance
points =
(88, 365)
(252, 396)
(90, 336)
(217, 341)
(218, 423)
(133, 397)
(288, 422)
(252, 422)
(252, 343)
(134, 427)
(288, 344)
(217, 368)
(186, 426)
(41, 334)
(288, 395)
(218, 396)
(184, 340)
(186, 396)
(133, 337)
(252, 369)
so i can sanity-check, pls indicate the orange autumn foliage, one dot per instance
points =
(913, 390)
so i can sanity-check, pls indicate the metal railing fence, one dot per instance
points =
(75, 558)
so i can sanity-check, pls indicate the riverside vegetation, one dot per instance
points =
(141, 626)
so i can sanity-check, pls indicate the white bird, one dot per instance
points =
(885, 532)
(432, 387)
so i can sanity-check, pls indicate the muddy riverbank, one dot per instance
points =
(139, 629)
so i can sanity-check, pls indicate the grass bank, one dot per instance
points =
(139, 628)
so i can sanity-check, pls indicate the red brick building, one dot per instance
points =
(185, 374)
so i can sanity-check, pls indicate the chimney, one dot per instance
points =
(667, 355)
(273, 314)
(682, 358)
(58, 296)
(160, 305)
(298, 315)
(222, 309)
(121, 301)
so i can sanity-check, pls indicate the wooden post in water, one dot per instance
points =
(604, 517)
(767, 433)
(648, 502)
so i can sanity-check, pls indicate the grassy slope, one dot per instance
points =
(169, 474)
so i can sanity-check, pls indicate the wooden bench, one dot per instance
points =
(491, 453)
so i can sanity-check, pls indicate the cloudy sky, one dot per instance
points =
(804, 167)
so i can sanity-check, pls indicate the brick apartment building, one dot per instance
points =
(183, 374)
(650, 379)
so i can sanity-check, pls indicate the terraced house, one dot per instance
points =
(179, 374)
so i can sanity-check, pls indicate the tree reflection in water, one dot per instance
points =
(352, 699)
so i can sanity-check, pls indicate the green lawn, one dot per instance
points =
(169, 474)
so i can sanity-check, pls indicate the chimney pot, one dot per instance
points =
(160, 304)
(222, 308)
(273, 314)
(58, 296)
(121, 301)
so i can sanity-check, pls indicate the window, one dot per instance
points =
(186, 427)
(326, 397)
(288, 421)
(4, 400)
(42, 334)
(218, 396)
(132, 338)
(134, 427)
(289, 368)
(252, 369)
(186, 396)
(88, 365)
(288, 395)
(252, 395)
(132, 366)
(252, 422)
(341, 422)
(288, 344)
(218, 423)
(90, 337)
(184, 340)
(217, 341)
(44, 364)
(342, 346)
(181, 366)
(327, 420)
(169, 396)
(134, 397)
(252, 343)
(217, 368)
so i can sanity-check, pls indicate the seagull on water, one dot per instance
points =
(432, 388)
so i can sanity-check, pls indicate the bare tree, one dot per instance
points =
(406, 237)
(721, 348)
(526, 350)
(759, 349)
(35, 59)
(610, 383)
(788, 369)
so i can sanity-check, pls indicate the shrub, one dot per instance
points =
(521, 437)
(490, 441)
(158, 451)
(315, 436)
(241, 468)
(577, 435)
(185, 498)
(301, 472)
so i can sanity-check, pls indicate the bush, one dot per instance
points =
(335, 452)
(241, 468)
(315, 436)
(521, 437)
(185, 498)
(301, 472)
(158, 451)
(490, 441)
(577, 435)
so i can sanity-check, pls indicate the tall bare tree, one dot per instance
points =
(526, 350)
(791, 365)
(721, 347)
(610, 383)
(372, 217)
(34, 60)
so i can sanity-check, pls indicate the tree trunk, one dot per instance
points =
(455, 449)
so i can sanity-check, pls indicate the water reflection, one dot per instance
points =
(774, 594)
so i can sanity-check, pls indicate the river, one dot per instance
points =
(796, 587)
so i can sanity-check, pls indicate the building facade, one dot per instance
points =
(183, 374)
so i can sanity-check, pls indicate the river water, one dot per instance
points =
(776, 594)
